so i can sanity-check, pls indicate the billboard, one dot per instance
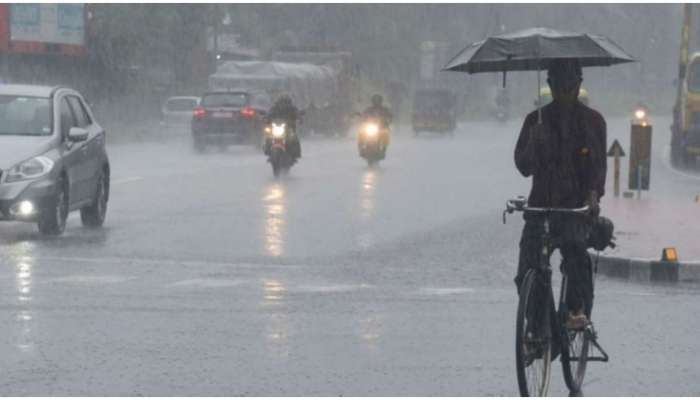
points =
(48, 23)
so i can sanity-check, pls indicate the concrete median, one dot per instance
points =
(643, 271)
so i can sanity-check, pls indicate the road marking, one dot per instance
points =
(445, 291)
(168, 262)
(330, 288)
(92, 279)
(126, 180)
(206, 283)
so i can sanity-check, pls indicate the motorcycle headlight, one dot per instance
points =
(30, 169)
(371, 129)
(278, 130)
(640, 113)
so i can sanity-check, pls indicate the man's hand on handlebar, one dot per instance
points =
(593, 204)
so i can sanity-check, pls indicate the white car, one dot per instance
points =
(177, 111)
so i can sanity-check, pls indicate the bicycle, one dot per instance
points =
(540, 329)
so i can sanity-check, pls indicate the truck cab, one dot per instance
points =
(685, 143)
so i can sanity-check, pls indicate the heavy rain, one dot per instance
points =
(309, 199)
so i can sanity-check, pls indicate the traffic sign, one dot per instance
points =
(617, 152)
(640, 158)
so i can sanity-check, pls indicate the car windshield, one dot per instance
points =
(431, 100)
(225, 100)
(24, 116)
(181, 104)
(694, 77)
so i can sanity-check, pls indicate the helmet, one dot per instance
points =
(285, 99)
(601, 236)
(377, 100)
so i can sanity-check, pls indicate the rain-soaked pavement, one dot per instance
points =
(212, 278)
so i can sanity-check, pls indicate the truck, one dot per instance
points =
(685, 128)
(320, 82)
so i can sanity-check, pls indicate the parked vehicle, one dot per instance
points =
(224, 118)
(685, 128)
(434, 110)
(177, 111)
(52, 158)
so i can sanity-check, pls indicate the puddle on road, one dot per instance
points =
(275, 214)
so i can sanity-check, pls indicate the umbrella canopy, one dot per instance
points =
(533, 49)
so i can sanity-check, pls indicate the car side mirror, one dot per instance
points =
(77, 134)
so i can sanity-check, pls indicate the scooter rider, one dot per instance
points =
(284, 109)
(377, 111)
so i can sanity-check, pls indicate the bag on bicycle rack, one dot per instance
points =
(601, 236)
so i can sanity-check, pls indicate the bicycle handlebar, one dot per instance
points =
(520, 204)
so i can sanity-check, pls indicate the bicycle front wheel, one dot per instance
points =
(533, 338)
(574, 358)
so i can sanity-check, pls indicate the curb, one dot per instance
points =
(645, 271)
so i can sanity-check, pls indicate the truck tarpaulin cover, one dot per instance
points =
(306, 83)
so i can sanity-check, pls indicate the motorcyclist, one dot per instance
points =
(284, 109)
(565, 155)
(377, 111)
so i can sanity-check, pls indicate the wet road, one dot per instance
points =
(212, 278)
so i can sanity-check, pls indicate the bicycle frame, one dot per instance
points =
(555, 319)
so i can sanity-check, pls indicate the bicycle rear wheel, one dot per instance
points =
(533, 339)
(574, 358)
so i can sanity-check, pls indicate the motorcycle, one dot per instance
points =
(372, 141)
(278, 147)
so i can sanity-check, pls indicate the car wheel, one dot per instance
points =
(52, 220)
(93, 216)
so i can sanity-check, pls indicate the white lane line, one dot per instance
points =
(206, 283)
(330, 288)
(92, 279)
(166, 262)
(445, 291)
(629, 293)
(126, 180)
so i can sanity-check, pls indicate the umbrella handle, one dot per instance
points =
(539, 95)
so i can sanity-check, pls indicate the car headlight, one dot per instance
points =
(640, 114)
(30, 169)
(371, 129)
(278, 130)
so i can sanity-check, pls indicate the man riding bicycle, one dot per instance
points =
(565, 155)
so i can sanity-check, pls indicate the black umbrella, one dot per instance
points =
(533, 49)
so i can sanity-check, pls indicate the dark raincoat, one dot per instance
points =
(565, 167)
(570, 163)
(379, 112)
(286, 111)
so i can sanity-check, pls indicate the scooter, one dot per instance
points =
(278, 147)
(372, 141)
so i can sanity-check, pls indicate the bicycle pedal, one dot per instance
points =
(590, 332)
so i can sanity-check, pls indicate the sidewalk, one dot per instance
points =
(644, 227)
